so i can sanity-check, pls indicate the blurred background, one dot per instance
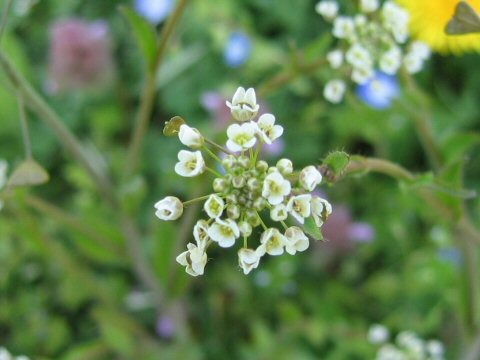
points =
(69, 284)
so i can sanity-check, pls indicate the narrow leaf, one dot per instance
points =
(312, 229)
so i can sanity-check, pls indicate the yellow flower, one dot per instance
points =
(428, 21)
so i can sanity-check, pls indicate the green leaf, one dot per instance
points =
(172, 126)
(144, 33)
(456, 146)
(312, 229)
(115, 332)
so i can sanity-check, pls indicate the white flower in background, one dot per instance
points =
(435, 349)
(267, 129)
(369, 5)
(378, 334)
(328, 9)
(224, 232)
(214, 206)
(190, 137)
(416, 56)
(391, 60)
(390, 352)
(362, 75)
(275, 188)
(359, 21)
(5, 355)
(241, 137)
(335, 58)
(299, 207)
(190, 163)
(273, 242)
(343, 27)
(248, 259)
(321, 210)
(296, 240)
(200, 233)
(410, 341)
(358, 57)
(285, 166)
(335, 90)
(169, 208)
(195, 259)
(310, 177)
(279, 212)
(396, 19)
(244, 105)
(420, 49)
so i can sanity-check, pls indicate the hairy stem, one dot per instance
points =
(25, 129)
(3, 21)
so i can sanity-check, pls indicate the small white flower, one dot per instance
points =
(190, 137)
(244, 105)
(200, 233)
(435, 349)
(248, 259)
(391, 60)
(369, 5)
(190, 163)
(328, 9)
(296, 240)
(309, 178)
(335, 58)
(273, 242)
(279, 212)
(360, 20)
(195, 259)
(299, 207)
(343, 27)
(285, 166)
(389, 352)
(378, 334)
(169, 208)
(224, 232)
(268, 131)
(321, 210)
(413, 63)
(362, 75)
(420, 49)
(241, 137)
(411, 342)
(275, 188)
(396, 19)
(334, 91)
(358, 56)
(214, 206)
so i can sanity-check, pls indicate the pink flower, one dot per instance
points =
(80, 54)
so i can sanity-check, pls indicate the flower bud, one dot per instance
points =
(244, 162)
(252, 218)
(214, 206)
(190, 137)
(272, 170)
(233, 211)
(309, 178)
(229, 161)
(220, 185)
(253, 184)
(285, 166)
(169, 208)
(238, 182)
(245, 228)
(231, 198)
(259, 203)
(262, 166)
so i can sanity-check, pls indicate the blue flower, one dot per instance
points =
(154, 10)
(380, 91)
(238, 49)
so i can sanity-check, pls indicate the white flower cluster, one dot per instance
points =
(5, 355)
(374, 39)
(248, 193)
(3, 177)
(407, 345)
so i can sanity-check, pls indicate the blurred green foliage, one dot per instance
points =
(67, 285)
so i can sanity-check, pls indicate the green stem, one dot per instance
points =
(149, 91)
(212, 154)
(219, 147)
(214, 172)
(359, 164)
(4, 20)
(286, 76)
(195, 200)
(25, 129)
